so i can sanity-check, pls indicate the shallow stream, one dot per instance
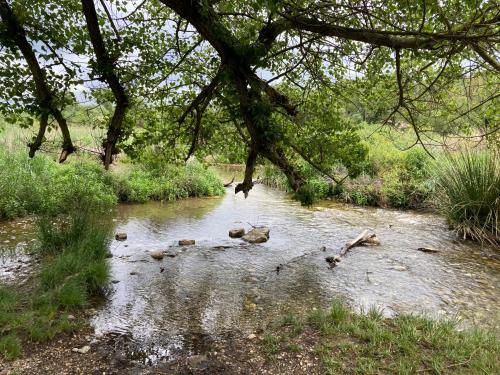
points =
(223, 286)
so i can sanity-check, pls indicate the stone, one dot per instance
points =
(250, 306)
(257, 235)
(186, 242)
(71, 317)
(83, 350)
(134, 273)
(399, 268)
(373, 240)
(197, 362)
(115, 281)
(121, 236)
(333, 259)
(251, 336)
(237, 232)
(157, 254)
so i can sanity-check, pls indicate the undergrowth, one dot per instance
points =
(72, 247)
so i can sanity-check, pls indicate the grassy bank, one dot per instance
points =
(33, 186)
(349, 343)
(72, 249)
(463, 185)
(389, 177)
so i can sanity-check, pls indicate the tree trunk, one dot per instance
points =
(43, 94)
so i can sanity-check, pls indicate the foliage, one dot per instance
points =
(42, 186)
(366, 343)
(389, 177)
(275, 75)
(469, 192)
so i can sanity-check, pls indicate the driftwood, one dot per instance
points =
(229, 183)
(427, 250)
(361, 239)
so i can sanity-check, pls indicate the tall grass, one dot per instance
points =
(41, 185)
(168, 182)
(73, 248)
(469, 193)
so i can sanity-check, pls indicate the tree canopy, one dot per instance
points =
(269, 76)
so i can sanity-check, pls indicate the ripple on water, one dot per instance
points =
(211, 291)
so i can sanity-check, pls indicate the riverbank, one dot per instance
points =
(38, 185)
(202, 306)
(333, 341)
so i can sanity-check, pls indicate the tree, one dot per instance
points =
(13, 36)
(255, 66)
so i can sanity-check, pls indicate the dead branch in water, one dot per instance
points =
(229, 183)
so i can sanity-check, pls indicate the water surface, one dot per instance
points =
(223, 286)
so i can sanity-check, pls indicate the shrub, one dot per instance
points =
(469, 191)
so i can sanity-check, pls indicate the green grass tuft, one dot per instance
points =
(469, 187)
(10, 347)
(367, 343)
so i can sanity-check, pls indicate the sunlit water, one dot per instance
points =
(223, 286)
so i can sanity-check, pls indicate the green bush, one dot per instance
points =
(469, 191)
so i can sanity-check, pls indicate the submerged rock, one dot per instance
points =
(333, 259)
(121, 236)
(257, 235)
(157, 254)
(198, 362)
(83, 350)
(186, 242)
(428, 250)
(237, 232)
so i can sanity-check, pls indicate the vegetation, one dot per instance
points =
(72, 247)
(469, 193)
(251, 77)
(40, 185)
(388, 176)
(352, 343)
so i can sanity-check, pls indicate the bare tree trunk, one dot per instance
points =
(107, 69)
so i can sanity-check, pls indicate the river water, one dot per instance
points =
(223, 286)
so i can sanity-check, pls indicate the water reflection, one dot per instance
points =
(207, 291)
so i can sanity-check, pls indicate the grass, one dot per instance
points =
(469, 191)
(41, 185)
(73, 271)
(367, 343)
(402, 180)
(142, 182)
